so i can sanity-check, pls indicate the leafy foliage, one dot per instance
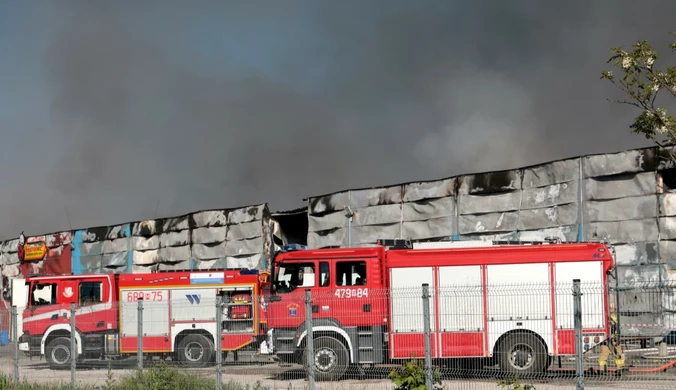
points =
(642, 82)
(514, 384)
(411, 376)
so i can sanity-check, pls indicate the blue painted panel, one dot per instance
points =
(75, 255)
(130, 255)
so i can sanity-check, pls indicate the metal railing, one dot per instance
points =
(373, 333)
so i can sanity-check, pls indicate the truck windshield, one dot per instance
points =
(294, 275)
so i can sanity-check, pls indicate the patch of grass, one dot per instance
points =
(158, 377)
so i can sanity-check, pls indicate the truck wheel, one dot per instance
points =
(331, 359)
(522, 353)
(58, 353)
(195, 350)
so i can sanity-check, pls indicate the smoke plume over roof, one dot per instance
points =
(125, 110)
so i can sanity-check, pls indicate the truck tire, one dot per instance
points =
(522, 353)
(57, 353)
(195, 350)
(331, 359)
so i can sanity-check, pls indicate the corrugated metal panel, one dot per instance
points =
(215, 238)
(618, 197)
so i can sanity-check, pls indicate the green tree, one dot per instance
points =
(643, 83)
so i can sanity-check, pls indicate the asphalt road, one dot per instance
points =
(251, 369)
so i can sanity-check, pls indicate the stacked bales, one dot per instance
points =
(161, 244)
(104, 249)
(213, 239)
(9, 259)
(525, 204)
(234, 238)
(550, 204)
(414, 210)
(429, 209)
(238, 238)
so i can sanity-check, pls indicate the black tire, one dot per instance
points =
(522, 353)
(331, 359)
(195, 350)
(57, 353)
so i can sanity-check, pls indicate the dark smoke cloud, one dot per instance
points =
(198, 105)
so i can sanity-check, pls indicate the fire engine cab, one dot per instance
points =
(179, 314)
(367, 303)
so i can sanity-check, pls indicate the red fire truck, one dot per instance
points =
(179, 314)
(367, 303)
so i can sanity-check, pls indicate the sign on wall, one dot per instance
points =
(31, 251)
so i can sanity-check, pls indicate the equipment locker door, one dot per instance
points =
(155, 319)
(406, 311)
(461, 311)
(594, 302)
(519, 298)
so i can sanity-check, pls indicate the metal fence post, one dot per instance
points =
(73, 346)
(428, 335)
(309, 340)
(577, 313)
(139, 334)
(15, 343)
(349, 215)
(217, 344)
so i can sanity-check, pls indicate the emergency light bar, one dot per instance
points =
(294, 247)
(395, 243)
(249, 272)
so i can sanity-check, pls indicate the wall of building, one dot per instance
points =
(228, 238)
(625, 198)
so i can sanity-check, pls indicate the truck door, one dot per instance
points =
(293, 278)
(94, 310)
(350, 303)
(43, 306)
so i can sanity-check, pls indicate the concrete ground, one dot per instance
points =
(251, 369)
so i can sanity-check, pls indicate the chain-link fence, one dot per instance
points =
(575, 335)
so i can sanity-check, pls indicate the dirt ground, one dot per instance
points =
(251, 369)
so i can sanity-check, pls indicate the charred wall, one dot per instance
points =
(627, 199)
(227, 238)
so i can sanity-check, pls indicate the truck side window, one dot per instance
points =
(295, 275)
(43, 294)
(351, 273)
(324, 274)
(90, 293)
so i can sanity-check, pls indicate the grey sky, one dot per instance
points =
(107, 108)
